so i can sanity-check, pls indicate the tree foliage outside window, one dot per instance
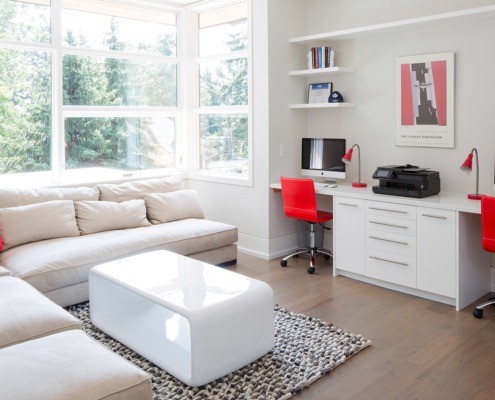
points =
(111, 142)
(224, 135)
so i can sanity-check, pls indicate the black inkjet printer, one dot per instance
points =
(406, 180)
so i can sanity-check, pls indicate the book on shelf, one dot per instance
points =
(320, 57)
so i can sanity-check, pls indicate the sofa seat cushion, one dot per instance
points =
(56, 263)
(69, 365)
(27, 314)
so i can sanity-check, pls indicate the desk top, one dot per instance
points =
(444, 200)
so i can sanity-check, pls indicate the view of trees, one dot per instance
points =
(112, 142)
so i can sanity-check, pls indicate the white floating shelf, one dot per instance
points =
(388, 27)
(321, 71)
(322, 105)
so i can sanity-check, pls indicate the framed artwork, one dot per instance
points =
(425, 100)
(319, 92)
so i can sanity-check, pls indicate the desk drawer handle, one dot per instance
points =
(390, 261)
(348, 204)
(388, 240)
(434, 216)
(387, 209)
(383, 223)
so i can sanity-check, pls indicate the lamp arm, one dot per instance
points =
(359, 161)
(477, 170)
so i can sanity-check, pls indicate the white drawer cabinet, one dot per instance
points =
(391, 242)
(436, 251)
(349, 244)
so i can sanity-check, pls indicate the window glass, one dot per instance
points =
(25, 20)
(25, 111)
(120, 143)
(96, 25)
(224, 83)
(223, 38)
(224, 143)
(99, 81)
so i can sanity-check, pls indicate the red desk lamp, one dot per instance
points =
(347, 159)
(467, 166)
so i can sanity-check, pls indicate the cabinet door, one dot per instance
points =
(436, 246)
(349, 234)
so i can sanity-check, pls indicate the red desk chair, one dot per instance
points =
(299, 199)
(487, 240)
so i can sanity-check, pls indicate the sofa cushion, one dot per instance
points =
(27, 314)
(99, 216)
(23, 196)
(137, 189)
(34, 222)
(62, 262)
(167, 207)
(69, 365)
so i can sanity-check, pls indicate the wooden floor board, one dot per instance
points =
(420, 349)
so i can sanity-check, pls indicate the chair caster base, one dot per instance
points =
(283, 263)
(478, 313)
(311, 270)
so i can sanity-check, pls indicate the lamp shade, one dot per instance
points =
(467, 165)
(348, 156)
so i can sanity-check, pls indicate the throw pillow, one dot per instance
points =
(34, 222)
(167, 207)
(99, 216)
(137, 189)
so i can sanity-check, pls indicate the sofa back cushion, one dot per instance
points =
(137, 189)
(99, 216)
(34, 222)
(23, 196)
(167, 207)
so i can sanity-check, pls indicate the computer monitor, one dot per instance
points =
(323, 158)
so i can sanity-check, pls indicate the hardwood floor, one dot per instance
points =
(420, 349)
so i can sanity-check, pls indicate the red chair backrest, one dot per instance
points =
(488, 223)
(299, 198)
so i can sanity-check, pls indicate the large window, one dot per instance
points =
(93, 91)
(100, 90)
(224, 145)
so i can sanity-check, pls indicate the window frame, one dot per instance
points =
(194, 171)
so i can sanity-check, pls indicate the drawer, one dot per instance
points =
(392, 268)
(391, 242)
(390, 210)
(391, 224)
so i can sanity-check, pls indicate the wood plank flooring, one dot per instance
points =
(420, 349)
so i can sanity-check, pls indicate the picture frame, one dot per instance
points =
(319, 92)
(425, 100)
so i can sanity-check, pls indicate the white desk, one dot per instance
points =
(429, 247)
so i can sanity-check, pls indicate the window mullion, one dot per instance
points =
(58, 143)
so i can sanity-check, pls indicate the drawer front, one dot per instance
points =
(390, 210)
(389, 267)
(390, 224)
(391, 242)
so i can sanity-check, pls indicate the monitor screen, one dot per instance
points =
(323, 157)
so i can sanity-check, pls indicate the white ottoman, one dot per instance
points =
(194, 320)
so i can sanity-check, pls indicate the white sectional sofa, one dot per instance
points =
(44, 354)
(52, 237)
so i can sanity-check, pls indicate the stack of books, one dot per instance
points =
(320, 57)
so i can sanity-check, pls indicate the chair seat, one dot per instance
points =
(321, 216)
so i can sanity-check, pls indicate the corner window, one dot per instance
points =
(223, 65)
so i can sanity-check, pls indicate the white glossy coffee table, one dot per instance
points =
(196, 321)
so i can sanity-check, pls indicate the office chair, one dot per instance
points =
(299, 200)
(487, 241)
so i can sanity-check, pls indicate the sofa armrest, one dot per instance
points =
(4, 271)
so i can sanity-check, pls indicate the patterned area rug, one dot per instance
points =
(305, 349)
